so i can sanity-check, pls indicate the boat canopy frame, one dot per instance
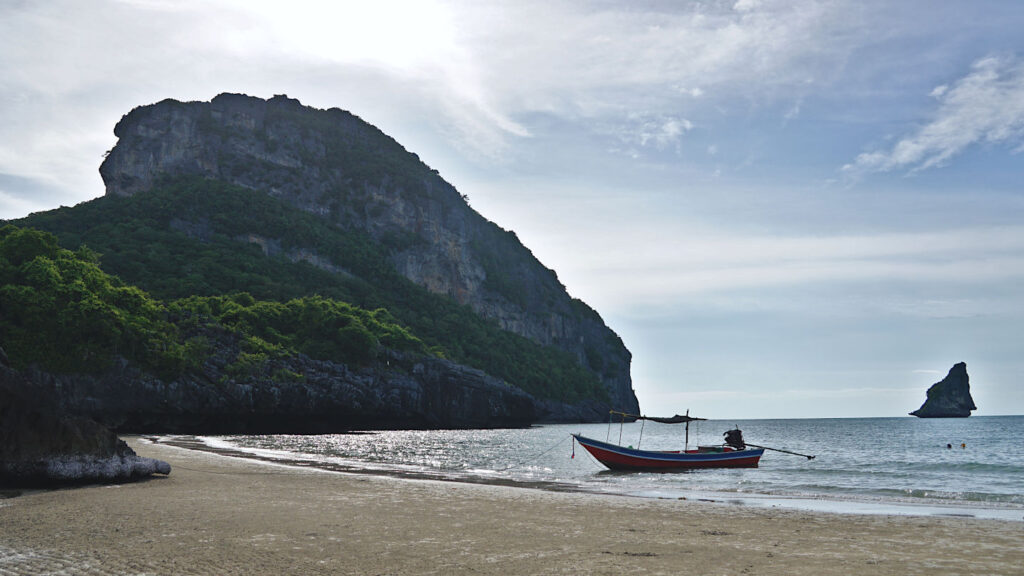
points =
(677, 419)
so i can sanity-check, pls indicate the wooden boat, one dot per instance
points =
(632, 459)
(619, 457)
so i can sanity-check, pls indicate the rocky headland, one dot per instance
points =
(333, 164)
(324, 397)
(950, 397)
(332, 167)
(41, 447)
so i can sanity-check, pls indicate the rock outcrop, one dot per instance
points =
(333, 164)
(319, 397)
(39, 447)
(949, 398)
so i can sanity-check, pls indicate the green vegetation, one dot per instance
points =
(60, 311)
(199, 242)
(318, 327)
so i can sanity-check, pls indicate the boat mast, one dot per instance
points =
(686, 445)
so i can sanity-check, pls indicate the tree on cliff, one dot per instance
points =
(59, 310)
(181, 241)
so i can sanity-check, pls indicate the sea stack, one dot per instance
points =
(949, 398)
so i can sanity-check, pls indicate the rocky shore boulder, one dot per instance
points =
(40, 447)
(949, 398)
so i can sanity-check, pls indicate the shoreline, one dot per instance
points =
(222, 515)
(834, 505)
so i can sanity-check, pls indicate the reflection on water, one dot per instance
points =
(869, 462)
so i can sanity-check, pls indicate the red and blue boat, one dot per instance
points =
(632, 459)
(734, 453)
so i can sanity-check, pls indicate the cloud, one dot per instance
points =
(953, 273)
(415, 51)
(479, 78)
(12, 206)
(600, 66)
(655, 132)
(793, 112)
(986, 106)
(753, 392)
(746, 5)
(20, 195)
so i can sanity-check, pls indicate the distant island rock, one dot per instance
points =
(41, 447)
(949, 398)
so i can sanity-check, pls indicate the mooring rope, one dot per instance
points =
(531, 458)
(589, 455)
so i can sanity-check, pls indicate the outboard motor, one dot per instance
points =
(734, 438)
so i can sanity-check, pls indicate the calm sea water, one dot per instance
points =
(873, 465)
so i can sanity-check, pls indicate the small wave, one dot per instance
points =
(867, 459)
(942, 495)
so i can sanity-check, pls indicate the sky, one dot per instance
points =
(792, 209)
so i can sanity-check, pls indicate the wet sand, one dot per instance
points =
(221, 515)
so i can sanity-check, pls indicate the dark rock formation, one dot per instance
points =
(333, 164)
(318, 397)
(950, 398)
(38, 447)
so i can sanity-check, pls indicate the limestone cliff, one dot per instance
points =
(333, 164)
(420, 392)
(950, 397)
(40, 446)
(323, 397)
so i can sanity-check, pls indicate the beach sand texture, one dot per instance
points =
(221, 515)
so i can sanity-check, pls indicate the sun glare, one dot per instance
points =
(394, 33)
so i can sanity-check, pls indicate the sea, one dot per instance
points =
(965, 467)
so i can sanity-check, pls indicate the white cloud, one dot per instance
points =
(417, 49)
(792, 113)
(639, 134)
(598, 64)
(928, 274)
(661, 133)
(746, 5)
(474, 74)
(15, 207)
(986, 106)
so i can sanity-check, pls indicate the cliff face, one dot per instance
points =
(40, 447)
(949, 398)
(331, 163)
(324, 397)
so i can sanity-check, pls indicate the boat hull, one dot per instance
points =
(631, 459)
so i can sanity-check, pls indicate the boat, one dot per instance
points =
(734, 453)
(618, 457)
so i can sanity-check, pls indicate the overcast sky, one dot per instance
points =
(786, 209)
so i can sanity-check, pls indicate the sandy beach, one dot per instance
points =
(221, 515)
